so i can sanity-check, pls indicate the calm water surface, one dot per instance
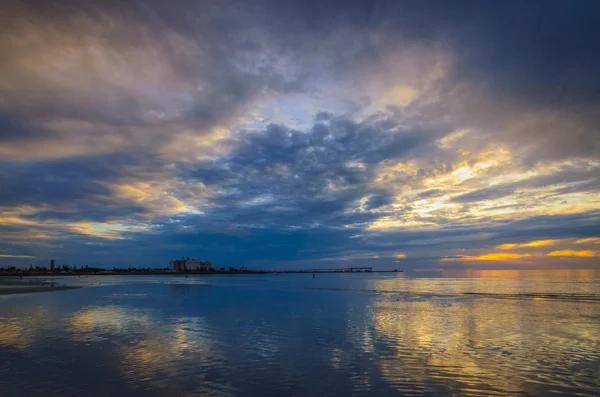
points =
(469, 334)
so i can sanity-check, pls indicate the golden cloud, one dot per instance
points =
(495, 256)
(572, 253)
(590, 240)
(473, 172)
(536, 243)
(107, 230)
(448, 140)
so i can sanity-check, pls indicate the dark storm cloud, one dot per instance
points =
(323, 116)
(484, 235)
(55, 181)
(94, 96)
(269, 248)
(296, 178)
(532, 61)
(563, 226)
(378, 201)
(540, 48)
(545, 59)
(13, 128)
(75, 189)
(539, 52)
(98, 63)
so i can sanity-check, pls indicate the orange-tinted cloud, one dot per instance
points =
(572, 253)
(590, 240)
(536, 243)
(494, 256)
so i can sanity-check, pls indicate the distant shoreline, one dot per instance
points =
(164, 273)
(16, 283)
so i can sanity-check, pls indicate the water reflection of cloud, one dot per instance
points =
(455, 343)
(19, 331)
(170, 350)
(152, 351)
(12, 333)
(99, 323)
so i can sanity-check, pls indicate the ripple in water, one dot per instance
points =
(333, 336)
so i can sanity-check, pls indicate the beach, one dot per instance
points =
(477, 334)
(16, 285)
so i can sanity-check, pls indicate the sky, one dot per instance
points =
(304, 134)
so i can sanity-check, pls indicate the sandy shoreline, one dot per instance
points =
(30, 289)
(18, 286)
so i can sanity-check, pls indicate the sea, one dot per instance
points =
(433, 333)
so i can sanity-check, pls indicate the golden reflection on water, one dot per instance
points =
(163, 357)
(584, 274)
(576, 283)
(11, 333)
(98, 323)
(415, 336)
(481, 343)
(150, 350)
(20, 332)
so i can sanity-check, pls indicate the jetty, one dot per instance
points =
(336, 270)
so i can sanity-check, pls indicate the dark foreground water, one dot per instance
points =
(487, 333)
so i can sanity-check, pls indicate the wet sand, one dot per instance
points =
(17, 286)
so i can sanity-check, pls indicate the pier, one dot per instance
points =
(337, 270)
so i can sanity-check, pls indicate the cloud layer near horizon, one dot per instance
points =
(274, 134)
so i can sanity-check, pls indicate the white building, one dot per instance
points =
(180, 265)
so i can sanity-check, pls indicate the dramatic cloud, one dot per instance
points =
(294, 134)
